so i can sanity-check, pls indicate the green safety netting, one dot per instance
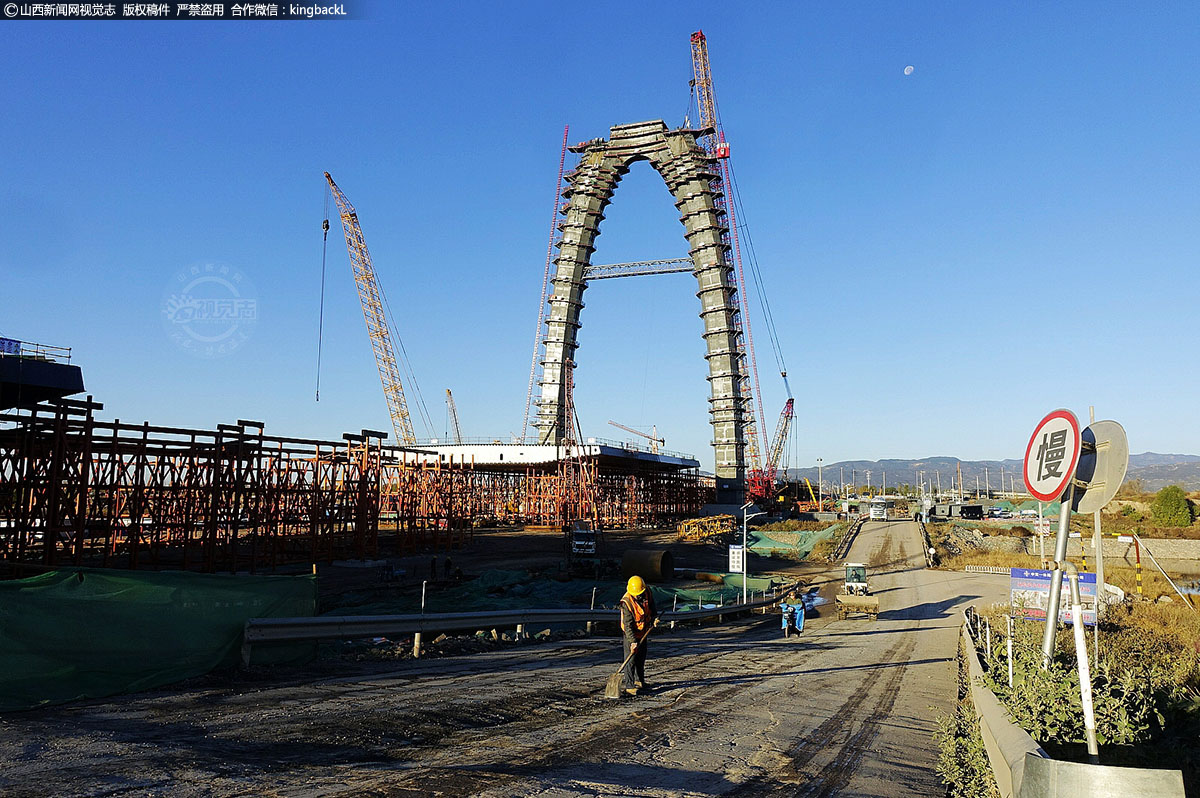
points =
(793, 544)
(88, 633)
(499, 590)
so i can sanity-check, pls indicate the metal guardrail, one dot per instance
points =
(591, 440)
(930, 552)
(843, 547)
(11, 347)
(987, 569)
(350, 627)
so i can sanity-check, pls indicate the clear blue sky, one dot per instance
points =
(938, 247)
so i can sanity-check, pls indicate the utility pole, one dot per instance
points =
(819, 503)
(987, 482)
(868, 482)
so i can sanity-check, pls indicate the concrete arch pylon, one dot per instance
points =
(689, 174)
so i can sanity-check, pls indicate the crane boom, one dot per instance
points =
(655, 441)
(781, 435)
(453, 411)
(703, 81)
(377, 326)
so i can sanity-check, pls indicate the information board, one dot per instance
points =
(9, 347)
(1029, 590)
(735, 559)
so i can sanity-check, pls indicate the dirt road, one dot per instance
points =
(846, 709)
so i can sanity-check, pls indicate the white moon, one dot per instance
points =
(908, 70)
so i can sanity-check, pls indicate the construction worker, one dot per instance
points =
(638, 614)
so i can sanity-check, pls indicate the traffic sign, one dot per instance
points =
(1102, 465)
(1042, 526)
(1052, 454)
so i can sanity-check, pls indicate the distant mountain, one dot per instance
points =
(1155, 470)
(1154, 459)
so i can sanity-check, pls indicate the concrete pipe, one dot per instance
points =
(653, 566)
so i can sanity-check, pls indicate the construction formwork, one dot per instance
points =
(78, 491)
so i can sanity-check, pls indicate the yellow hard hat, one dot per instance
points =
(636, 586)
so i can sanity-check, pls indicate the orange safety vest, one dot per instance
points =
(637, 610)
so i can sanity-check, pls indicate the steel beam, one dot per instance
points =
(638, 268)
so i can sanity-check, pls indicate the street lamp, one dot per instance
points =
(820, 506)
(745, 549)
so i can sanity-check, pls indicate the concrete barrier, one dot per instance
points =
(1006, 743)
(1022, 769)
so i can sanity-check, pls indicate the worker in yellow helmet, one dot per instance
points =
(638, 614)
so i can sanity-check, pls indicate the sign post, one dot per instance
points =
(1050, 460)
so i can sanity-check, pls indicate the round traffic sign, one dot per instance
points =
(1052, 454)
(1102, 467)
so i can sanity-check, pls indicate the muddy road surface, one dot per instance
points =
(847, 708)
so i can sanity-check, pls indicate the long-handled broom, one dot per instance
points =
(613, 688)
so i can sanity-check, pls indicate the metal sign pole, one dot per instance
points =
(1098, 544)
(1056, 576)
(1041, 537)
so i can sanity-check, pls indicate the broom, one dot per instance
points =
(613, 688)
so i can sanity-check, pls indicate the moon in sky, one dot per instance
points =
(908, 70)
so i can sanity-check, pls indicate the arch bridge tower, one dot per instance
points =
(694, 181)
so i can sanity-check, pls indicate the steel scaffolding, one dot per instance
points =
(78, 491)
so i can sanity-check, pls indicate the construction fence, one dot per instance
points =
(78, 491)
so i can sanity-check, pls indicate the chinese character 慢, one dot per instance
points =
(1051, 453)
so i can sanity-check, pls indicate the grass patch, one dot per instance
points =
(795, 526)
(822, 550)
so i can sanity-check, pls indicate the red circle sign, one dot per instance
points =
(1052, 455)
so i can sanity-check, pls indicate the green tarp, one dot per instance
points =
(787, 544)
(88, 633)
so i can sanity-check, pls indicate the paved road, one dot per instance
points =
(846, 709)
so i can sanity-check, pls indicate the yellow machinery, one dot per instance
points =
(702, 529)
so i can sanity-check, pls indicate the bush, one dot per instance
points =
(962, 759)
(1171, 507)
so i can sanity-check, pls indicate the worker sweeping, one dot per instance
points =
(638, 614)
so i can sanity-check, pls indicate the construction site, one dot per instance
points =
(240, 608)
(82, 491)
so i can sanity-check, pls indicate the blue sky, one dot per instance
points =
(1011, 228)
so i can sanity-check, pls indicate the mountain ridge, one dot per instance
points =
(1156, 470)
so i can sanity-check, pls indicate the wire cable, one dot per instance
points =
(321, 312)
(756, 273)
